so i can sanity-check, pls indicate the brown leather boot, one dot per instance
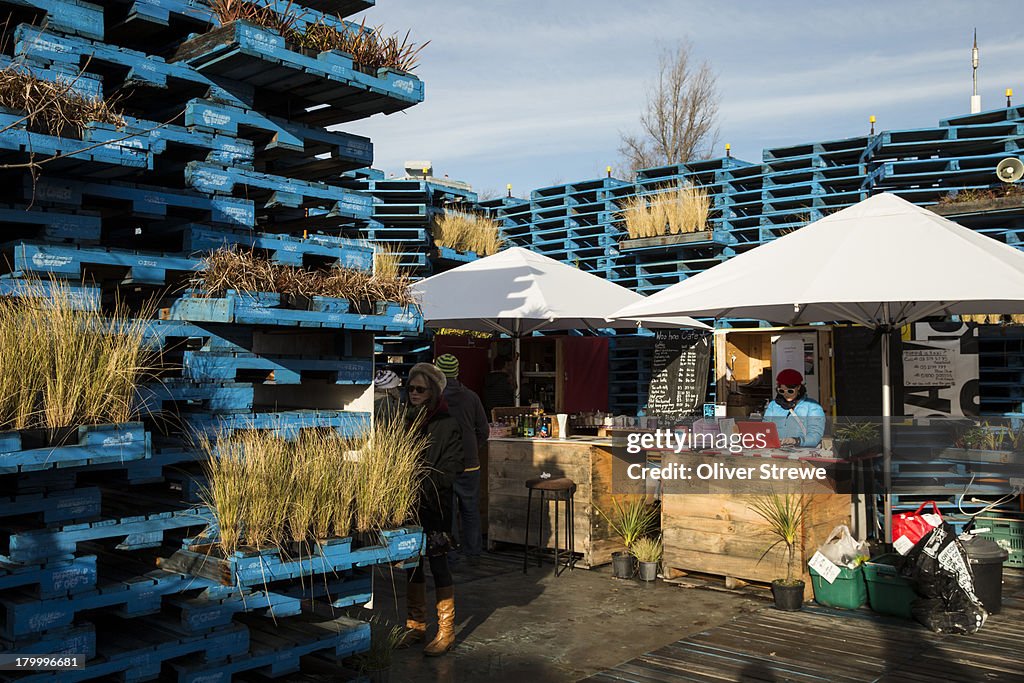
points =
(445, 623)
(416, 614)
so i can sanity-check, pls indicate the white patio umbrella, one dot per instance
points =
(518, 292)
(882, 263)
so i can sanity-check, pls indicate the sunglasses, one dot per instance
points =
(788, 390)
(417, 389)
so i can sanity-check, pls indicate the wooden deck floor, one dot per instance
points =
(821, 644)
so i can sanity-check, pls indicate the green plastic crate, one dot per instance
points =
(848, 591)
(1006, 529)
(888, 592)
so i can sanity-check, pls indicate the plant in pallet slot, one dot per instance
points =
(67, 362)
(376, 662)
(783, 517)
(467, 232)
(52, 107)
(369, 48)
(266, 491)
(242, 270)
(673, 212)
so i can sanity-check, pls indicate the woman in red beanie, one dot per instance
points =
(801, 420)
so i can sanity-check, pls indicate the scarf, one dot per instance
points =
(416, 411)
(788, 405)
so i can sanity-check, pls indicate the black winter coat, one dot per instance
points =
(443, 459)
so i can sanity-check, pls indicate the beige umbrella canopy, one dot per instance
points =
(882, 263)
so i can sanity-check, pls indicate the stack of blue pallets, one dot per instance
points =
(224, 144)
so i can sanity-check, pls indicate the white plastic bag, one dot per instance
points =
(842, 549)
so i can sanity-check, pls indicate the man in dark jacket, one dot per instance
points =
(468, 411)
(498, 389)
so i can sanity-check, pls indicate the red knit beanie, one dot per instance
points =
(789, 377)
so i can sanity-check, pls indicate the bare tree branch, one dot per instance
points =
(680, 118)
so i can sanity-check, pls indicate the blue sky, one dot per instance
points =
(535, 93)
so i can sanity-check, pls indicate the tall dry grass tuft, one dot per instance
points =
(467, 232)
(680, 211)
(66, 362)
(370, 48)
(244, 271)
(268, 492)
(52, 107)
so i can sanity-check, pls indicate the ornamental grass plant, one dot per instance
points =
(467, 232)
(675, 212)
(370, 48)
(246, 271)
(52, 107)
(266, 491)
(647, 549)
(66, 362)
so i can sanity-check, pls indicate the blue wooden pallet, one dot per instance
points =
(69, 16)
(26, 615)
(259, 58)
(281, 192)
(256, 568)
(200, 613)
(132, 654)
(214, 397)
(277, 648)
(80, 297)
(288, 424)
(285, 249)
(218, 148)
(76, 81)
(74, 640)
(54, 225)
(51, 579)
(96, 444)
(146, 201)
(122, 157)
(40, 46)
(55, 506)
(74, 262)
(205, 366)
(340, 591)
(292, 147)
(259, 309)
(140, 531)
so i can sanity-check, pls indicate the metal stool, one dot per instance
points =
(560, 489)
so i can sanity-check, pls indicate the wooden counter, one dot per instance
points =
(717, 533)
(587, 461)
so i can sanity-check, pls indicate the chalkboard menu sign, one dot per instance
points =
(679, 381)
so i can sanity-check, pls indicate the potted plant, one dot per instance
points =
(647, 552)
(630, 521)
(855, 438)
(783, 516)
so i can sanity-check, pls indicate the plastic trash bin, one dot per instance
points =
(888, 592)
(987, 564)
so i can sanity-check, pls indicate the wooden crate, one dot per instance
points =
(511, 462)
(718, 533)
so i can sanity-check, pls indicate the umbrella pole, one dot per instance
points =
(886, 428)
(517, 364)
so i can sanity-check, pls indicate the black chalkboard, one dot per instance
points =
(858, 367)
(679, 373)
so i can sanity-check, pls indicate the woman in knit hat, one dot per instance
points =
(443, 460)
(801, 420)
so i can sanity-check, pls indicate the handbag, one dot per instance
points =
(914, 526)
